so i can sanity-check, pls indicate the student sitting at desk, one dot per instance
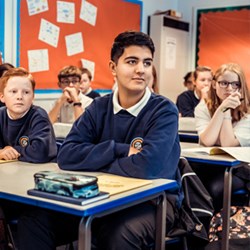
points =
(26, 133)
(131, 132)
(187, 101)
(72, 102)
(224, 117)
(85, 84)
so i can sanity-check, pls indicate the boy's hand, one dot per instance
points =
(71, 94)
(133, 151)
(8, 153)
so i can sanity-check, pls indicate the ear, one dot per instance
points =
(1, 97)
(112, 67)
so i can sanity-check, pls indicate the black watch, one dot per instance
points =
(77, 104)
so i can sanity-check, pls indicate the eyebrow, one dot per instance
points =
(134, 57)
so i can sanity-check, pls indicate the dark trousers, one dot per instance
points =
(132, 228)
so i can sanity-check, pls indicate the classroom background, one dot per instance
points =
(178, 49)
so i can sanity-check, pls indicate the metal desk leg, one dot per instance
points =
(84, 234)
(161, 222)
(226, 208)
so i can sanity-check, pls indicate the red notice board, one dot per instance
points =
(112, 17)
(223, 37)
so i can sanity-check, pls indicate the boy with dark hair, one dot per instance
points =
(131, 132)
(26, 133)
(72, 102)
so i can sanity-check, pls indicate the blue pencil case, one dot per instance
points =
(67, 184)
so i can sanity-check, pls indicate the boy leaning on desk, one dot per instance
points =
(131, 132)
(26, 133)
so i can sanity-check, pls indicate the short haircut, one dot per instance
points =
(187, 76)
(86, 71)
(13, 72)
(130, 38)
(69, 71)
(202, 69)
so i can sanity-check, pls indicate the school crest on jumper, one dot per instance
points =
(24, 141)
(137, 143)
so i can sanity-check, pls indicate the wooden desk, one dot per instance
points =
(221, 161)
(17, 177)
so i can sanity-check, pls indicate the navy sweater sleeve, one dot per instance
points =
(95, 142)
(32, 136)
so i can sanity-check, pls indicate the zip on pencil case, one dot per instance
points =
(67, 184)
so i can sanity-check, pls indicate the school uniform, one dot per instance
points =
(241, 128)
(32, 135)
(66, 114)
(214, 178)
(186, 103)
(92, 94)
(99, 141)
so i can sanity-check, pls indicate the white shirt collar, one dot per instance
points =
(196, 95)
(134, 110)
(9, 115)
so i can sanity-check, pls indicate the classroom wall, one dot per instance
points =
(188, 8)
(44, 99)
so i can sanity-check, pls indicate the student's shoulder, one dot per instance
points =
(2, 114)
(103, 100)
(160, 98)
(162, 102)
(186, 94)
(2, 109)
(93, 94)
(39, 111)
(201, 107)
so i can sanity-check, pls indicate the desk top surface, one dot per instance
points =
(222, 159)
(17, 177)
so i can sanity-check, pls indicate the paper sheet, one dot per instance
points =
(6, 161)
(74, 44)
(239, 153)
(65, 12)
(118, 184)
(88, 12)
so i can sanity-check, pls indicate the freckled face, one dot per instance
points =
(18, 96)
